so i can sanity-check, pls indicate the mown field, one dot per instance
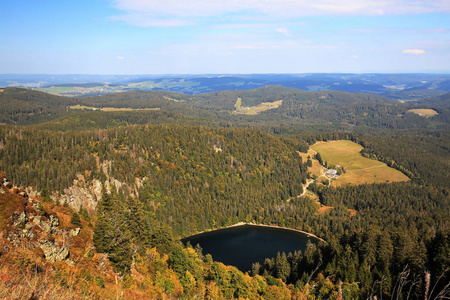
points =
(254, 110)
(425, 112)
(81, 107)
(359, 169)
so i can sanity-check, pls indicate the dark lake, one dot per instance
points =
(243, 245)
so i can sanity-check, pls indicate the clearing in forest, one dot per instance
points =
(359, 169)
(424, 112)
(111, 108)
(254, 110)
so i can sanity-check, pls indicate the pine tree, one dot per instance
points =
(75, 220)
(283, 268)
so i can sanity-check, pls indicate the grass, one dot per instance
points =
(128, 109)
(81, 107)
(424, 112)
(8, 205)
(112, 108)
(316, 168)
(360, 170)
(254, 110)
(57, 90)
(344, 153)
(375, 175)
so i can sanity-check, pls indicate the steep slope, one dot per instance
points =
(47, 252)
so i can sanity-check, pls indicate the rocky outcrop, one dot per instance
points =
(48, 225)
(31, 225)
(19, 219)
(87, 193)
(78, 196)
(6, 184)
(54, 252)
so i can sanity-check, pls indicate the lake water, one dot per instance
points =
(241, 246)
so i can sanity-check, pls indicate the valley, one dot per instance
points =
(111, 183)
(225, 150)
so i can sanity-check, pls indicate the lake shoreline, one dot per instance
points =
(308, 234)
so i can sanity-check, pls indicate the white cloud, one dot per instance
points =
(244, 47)
(148, 20)
(179, 13)
(284, 31)
(414, 51)
(120, 57)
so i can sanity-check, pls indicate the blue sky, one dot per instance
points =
(224, 37)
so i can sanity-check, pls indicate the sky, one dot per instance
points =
(224, 36)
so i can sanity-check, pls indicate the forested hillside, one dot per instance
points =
(186, 168)
(137, 181)
(23, 106)
(329, 109)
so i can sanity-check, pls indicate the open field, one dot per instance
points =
(127, 109)
(73, 91)
(425, 112)
(111, 108)
(359, 169)
(344, 153)
(374, 175)
(316, 168)
(81, 107)
(254, 110)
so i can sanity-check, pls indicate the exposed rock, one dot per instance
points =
(32, 192)
(138, 183)
(70, 262)
(117, 184)
(108, 187)
(31, 228)
(76, 197)
(97, 188)
(26, 232)
(54, 220)
(53, 252)
(75, 232)
(37, 220)
(6, 183)
(48, 226)
(23, 194)
(106, 167)
(20, 219)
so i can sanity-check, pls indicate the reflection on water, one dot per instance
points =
(241, 246)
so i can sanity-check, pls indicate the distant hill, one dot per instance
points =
(23, 106)
(92, 85)
(442, 100)
(413, 94)
(268, 105)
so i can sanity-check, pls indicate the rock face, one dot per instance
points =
(20, 219)
(87, 194)
(49, 226)
(31, 226)
(82, 193)
(53, 252)
(6, 183)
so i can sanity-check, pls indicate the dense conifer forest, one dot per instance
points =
(194, 166)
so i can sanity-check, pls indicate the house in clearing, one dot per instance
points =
(332, 173)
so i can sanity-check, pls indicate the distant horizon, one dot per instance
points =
(225, 74)
(140, 37)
